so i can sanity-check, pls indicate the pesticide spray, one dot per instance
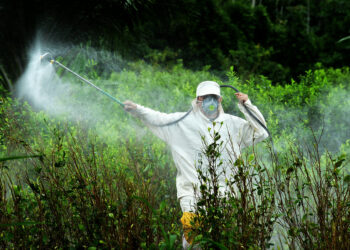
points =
(47, 89)
(52, 61)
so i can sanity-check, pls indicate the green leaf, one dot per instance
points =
(347, 178)
(344, 39)
(338, 163)
(147, 168)
(60, 164)
(290, 170)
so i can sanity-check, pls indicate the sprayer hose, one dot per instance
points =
(248, 111)
(176, 121)
(257, 120)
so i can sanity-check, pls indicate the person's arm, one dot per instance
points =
(152, 118)
(251, 131)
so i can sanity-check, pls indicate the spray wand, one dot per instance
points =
(52, 61)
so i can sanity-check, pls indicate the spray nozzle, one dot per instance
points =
(46, 55)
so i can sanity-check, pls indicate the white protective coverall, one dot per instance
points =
(185, 141)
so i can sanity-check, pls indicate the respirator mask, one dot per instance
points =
(210, 105)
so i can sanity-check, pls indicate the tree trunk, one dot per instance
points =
(253, 3)
(308, 18)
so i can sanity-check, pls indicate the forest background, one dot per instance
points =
(280, 39)
(91, 176)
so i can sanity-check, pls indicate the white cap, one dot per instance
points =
(208, 88)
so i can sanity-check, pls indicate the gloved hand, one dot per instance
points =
(241, 97)
(129, 105)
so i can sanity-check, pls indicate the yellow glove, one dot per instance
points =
(186, 219)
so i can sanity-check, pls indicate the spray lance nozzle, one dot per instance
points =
(47, 55)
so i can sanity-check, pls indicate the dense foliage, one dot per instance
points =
(99, 179)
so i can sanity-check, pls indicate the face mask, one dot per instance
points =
(210, 105)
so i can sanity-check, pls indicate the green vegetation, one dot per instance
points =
(101, 180)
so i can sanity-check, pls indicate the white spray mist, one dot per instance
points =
(68, 98)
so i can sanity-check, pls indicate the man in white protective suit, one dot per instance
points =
(185, 139)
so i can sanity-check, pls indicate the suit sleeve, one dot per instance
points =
(250, 131)
(152, 118)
